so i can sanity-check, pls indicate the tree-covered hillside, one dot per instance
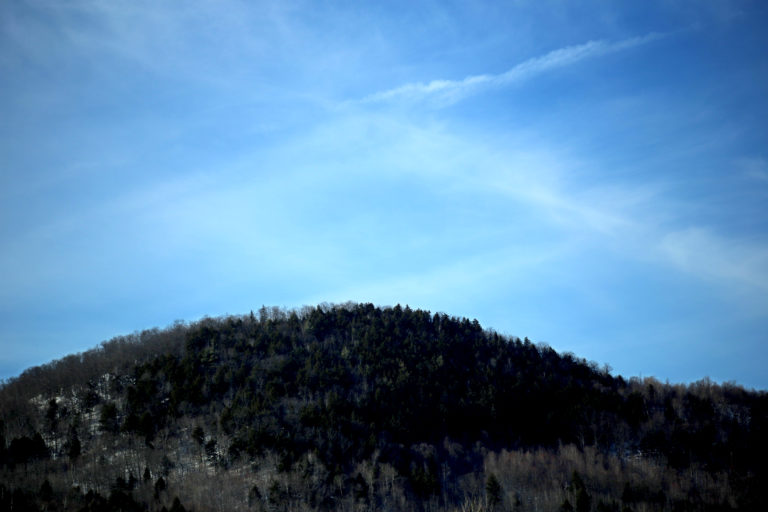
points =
(355, 407)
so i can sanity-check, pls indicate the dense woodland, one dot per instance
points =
(355, 407)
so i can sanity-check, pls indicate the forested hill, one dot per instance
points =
(355, 407)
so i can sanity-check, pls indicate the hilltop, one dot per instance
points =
(357, 407)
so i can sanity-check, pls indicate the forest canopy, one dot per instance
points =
(361, 407)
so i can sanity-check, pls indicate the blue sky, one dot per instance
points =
(593, 175)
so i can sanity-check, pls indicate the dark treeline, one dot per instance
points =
(356, 407)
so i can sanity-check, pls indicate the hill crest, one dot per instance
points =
(378, 408)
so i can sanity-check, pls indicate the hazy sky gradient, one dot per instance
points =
(593, 175)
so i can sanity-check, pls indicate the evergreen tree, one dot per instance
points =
(493, 490)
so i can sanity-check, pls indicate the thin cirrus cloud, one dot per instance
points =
(638, 222)
(448, 92)
(754, 168)
(700, 252)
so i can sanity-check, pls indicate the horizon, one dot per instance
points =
(592, 177)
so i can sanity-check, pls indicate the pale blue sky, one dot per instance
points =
(593, 175)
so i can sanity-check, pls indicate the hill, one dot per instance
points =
(355, 407)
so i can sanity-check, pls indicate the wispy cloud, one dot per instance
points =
(754, 169)
(539, 187)
(447, 92)
(700, 252)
